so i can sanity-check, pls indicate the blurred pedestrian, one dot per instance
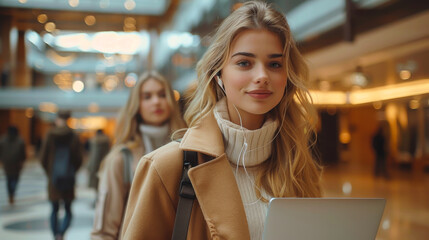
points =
(61, 157)
(379, 146)
(12, 154)
(144, 124)
(99, 146)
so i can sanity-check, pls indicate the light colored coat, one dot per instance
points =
(112, 194)
(218, 212)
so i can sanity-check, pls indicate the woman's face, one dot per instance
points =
(154, 108)
(254, 76)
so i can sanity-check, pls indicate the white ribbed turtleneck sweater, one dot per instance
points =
(258, 150)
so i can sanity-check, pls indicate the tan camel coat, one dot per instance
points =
(218, 212)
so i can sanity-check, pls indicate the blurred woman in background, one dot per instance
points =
(144, 124)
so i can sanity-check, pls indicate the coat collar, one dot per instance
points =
(214, 182)
(205, 137)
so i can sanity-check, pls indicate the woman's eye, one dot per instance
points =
(243, 64)
(275, 65)
(146, 96)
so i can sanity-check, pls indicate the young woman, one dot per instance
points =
(144, 124)
(250, 121)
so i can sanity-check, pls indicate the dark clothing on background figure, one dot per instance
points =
(66, 137)
(60, 227)
(99, 146)
(12, 154)
(379, 146)
(60, 135)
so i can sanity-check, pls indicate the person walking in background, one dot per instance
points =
(144, 124)
(61, 156)
(12, 154)
(379, 146)
(99, 146)
(249, 121)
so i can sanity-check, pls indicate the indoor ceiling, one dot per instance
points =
(383, 37)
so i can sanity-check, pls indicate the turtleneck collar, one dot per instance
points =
(236, 138)
(154, 136)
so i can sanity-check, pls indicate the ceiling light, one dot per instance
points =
(130, 21)
(110, 83)
(405, 74)
(42, 18)
(370, 95)
(29, 112)
(50, 26)
(72, 40)
(63, 80)
(129, 24)
(414, 104)
(386, 224)
(90, 20)
(390, 92)
(377, 105)
(129, 5)
(73, 3)
(345, 137)
(347, 188)
(78, 86)
(104, 3)
(130, 80)
(22, 1)
(329, 98)
(88, 123)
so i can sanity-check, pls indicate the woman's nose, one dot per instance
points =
(155, 100)
(261, 75)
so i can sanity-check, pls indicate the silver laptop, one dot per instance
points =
(323, 218)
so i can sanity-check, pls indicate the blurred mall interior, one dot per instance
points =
(369, 63)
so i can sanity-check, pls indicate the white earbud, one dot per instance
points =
(219, 81)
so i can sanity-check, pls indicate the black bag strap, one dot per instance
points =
(128, 159)
(186, 198)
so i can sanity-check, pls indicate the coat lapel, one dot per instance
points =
(214, 183)
(205, 138)
(218, 195)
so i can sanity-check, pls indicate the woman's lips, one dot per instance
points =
(259, 94)
(158, 111)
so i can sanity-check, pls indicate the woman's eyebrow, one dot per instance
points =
(274, 55)
(244, 54)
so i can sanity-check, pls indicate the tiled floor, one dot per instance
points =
(406, 215)
(28, 218)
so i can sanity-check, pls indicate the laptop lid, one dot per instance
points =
(323, 218)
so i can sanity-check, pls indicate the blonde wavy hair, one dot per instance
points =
(291, 171)
(127, 128)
